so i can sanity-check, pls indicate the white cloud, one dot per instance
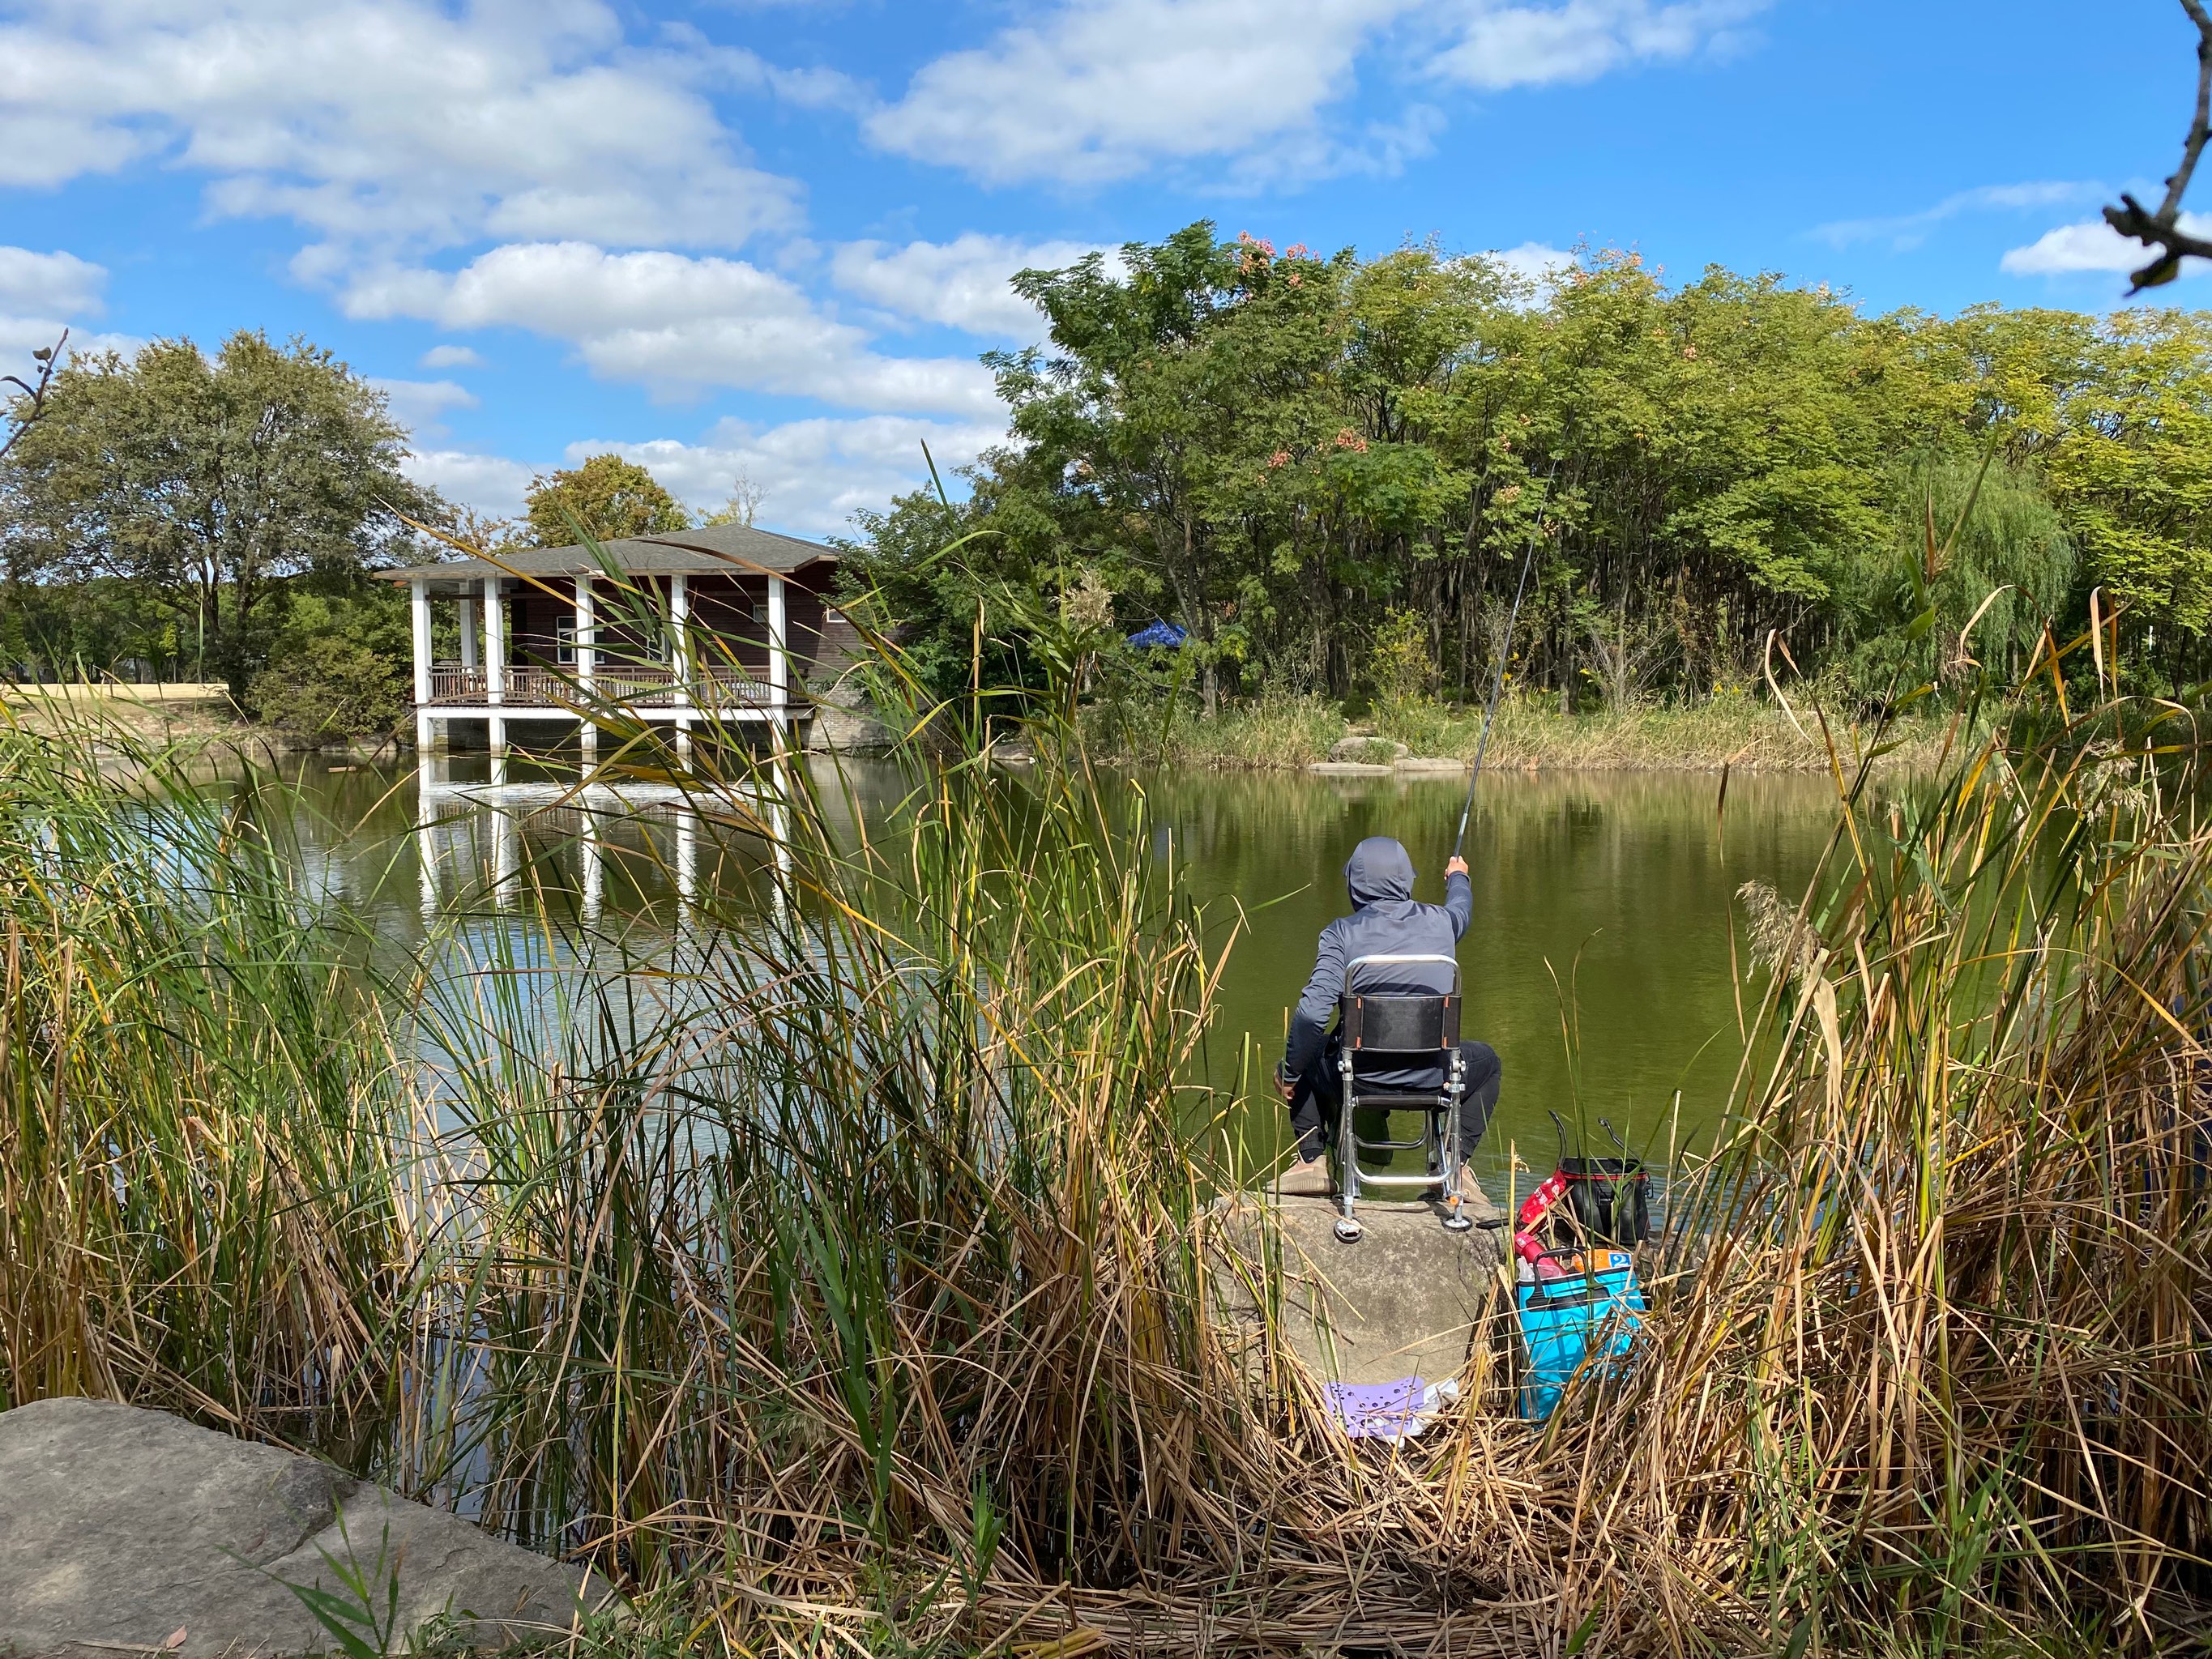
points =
(1103, 89)
(1535, 262)
(43, 294)
(2093, 245)
(392, 120)
(675, 323)
(965, 283)
(1905, 232)
(49, 284)
(420, 405)
(1509, 45)
(491, 483)
(814, 474)
(451, 357)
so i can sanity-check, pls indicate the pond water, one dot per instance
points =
(1598, 964)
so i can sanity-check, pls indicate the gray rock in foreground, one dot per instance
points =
(120, 1527)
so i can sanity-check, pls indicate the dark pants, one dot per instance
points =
(1315, 1104)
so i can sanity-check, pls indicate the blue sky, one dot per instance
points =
(768, 238)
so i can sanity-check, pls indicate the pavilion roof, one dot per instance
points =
(728, 550)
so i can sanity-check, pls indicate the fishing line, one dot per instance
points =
(1505, 651)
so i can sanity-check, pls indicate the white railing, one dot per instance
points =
(646, 686)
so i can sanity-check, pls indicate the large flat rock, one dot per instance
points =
(1403, 1301)
(120, 1527)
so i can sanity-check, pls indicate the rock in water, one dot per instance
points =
(120, 1527)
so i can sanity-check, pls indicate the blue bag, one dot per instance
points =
(1588, 1315)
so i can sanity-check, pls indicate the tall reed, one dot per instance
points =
(199, 1205)
(844, 1268)
(1948, 1319)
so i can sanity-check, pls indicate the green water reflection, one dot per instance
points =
(1602, 903)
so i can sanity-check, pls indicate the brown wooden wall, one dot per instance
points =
(733, 608)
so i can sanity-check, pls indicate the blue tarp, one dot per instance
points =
(1163, 634)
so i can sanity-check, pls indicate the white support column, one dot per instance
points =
(587, 665)
(779, 829)
(494, 651)
(587, 659)
(418, 595)
(469, 639)
(779, 657)
(506, 850)
(679, 650)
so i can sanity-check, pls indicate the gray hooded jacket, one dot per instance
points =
(1384, 922)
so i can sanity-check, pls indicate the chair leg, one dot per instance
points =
(1347, 1151)
(1455, 1216)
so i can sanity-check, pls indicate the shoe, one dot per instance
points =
(1305, 1179)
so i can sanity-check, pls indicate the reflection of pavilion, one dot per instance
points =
(454, 818)
(720, 623)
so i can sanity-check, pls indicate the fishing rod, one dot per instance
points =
(1505, 651)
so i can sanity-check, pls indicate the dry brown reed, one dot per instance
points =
(842, 1277)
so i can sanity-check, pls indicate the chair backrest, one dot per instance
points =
(1398, 1022)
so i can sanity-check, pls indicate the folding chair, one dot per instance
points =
(1401, 1031)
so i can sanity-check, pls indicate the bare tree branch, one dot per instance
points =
(2162, 230)
(48, 358)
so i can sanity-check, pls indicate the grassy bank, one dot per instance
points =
(178, 718)
(836, 1277)
(1745, 733)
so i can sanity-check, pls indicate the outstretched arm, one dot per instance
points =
(1459, 896)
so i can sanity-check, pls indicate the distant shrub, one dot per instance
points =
(329, 689)
(1402, 665)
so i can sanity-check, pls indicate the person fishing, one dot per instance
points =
(1385, 921)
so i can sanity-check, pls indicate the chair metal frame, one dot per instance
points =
(1411, 1026)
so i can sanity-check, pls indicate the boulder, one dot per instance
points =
(124, 1530)
(835, 731)
(1402, 1301)
(1358, 751)
(843, 724)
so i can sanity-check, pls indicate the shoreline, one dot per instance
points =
(178, 717)
(1732, 734)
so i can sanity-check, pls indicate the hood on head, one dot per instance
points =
(1378, 869)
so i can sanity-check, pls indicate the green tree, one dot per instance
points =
(1172, 380)
(607, 498)
(2132, 469)
(206, 480)
(1290, 455)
